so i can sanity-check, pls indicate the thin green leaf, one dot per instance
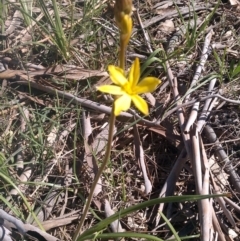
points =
(150, 60)
(7, 179)
(236, 70)
(103, 224)
(170, 227)
(109, 236)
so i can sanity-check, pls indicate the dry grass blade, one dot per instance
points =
(89, 154)
(116, 225)
(208, 105)
(5, 233)
(146, 35)
(54, 223)
(232, 204)
(196, 159)
(221, 202)
(100, 141)
(124, 116)
(47, 205)
(70, 72)
(206, 212)
(21, 146)
(204, 57)
(24, 177)
(211, 135)
(139, 153)
(16, 226)
(16, 22)
(234, 2)
(192, 117)
(204, 205)
(174, 86)
(170, 183)
(217, 227)
(65, 72)
(174, 13)
(174, 139)
(53, 121)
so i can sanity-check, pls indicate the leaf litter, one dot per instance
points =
(157, 157)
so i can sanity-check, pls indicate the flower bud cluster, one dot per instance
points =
(122, 14)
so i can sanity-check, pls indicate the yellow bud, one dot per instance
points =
(124, 6)
(122, 14)
(125, 28)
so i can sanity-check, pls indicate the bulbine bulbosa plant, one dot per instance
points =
(126, 88)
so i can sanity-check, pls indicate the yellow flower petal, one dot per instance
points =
(111, 89)
(134, 74)
(123, 103)
(148, 84)
(140, 103)
(117, 75)
(129, 88)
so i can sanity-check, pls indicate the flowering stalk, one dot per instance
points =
(122, 55)
(122, 11)
(127, 89)
(99, 173)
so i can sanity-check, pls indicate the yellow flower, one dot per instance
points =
(129, 89)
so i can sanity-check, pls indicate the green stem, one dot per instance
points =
(99, 173)
(122, 54)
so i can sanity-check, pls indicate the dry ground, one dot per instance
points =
(54, 123)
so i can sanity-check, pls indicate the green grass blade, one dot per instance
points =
(150, 60)
(235, 71)
(10, 206)
(196, 237)
(103, 224)
(27, 8)
(46, 14)
(117, 236)
(208, 19)
(8, 180)
(56, 34)
(59, 33)
(170, 227)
